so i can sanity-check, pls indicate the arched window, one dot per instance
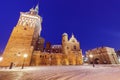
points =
(67, 47)
(73, 41)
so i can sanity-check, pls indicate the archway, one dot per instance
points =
(96, 60)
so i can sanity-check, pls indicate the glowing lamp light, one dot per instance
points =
(25, 55)
(83, 56)
(91, 56)
(1, 58)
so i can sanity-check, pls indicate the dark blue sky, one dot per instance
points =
(94, 23)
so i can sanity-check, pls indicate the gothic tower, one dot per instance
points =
(23, 38)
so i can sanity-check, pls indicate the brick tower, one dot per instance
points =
(23, 38)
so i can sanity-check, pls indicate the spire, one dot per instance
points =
(73, 39)
(37, 7)
(72, 35)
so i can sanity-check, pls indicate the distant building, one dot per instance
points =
(102, 55)
(69, 53)
(25, 39)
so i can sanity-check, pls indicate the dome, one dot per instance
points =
(65, 34)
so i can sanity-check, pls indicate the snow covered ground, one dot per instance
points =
(83, 72)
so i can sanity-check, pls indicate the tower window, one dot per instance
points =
(74, 47)
(67, 47)
(51, 56)
(73, 41)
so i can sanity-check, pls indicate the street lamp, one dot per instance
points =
(91, 56)
(24, 56)
(114, 58)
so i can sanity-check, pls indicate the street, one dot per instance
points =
(83, 72)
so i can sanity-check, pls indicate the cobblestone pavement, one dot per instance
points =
(62, 73)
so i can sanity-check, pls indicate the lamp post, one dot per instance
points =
(24, 56)
(114, 58)
(16, 59)
(91, 56)
(18, 56)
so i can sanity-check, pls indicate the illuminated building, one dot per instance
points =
(25, 39)
(102, 55)
(69, 53)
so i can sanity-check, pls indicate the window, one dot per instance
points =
(67, 47)
(74, 47)
(25, 28)
(73, 41)
(51, 56)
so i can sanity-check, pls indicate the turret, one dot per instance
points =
(64, 38)
(64, 43)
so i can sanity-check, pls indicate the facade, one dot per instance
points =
(102, 55)
(25, 39)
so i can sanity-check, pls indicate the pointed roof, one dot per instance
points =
(73, 35)
(37, 7)
(35, 10)
(73, 39)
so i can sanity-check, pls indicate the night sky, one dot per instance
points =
(94, 23)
